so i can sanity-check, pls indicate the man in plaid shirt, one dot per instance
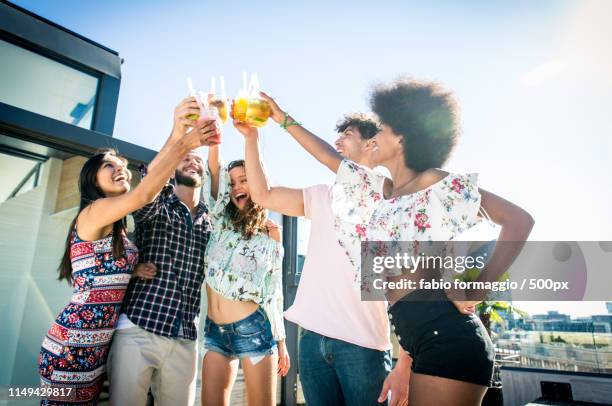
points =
(155, 345)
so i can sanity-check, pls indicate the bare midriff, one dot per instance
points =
(224, 311)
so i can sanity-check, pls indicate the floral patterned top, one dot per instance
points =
(438, 213)
(240, 269)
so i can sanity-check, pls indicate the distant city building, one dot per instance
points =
(555, 321)
(602, 323)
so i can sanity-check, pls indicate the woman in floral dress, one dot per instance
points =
(244, 290)
(99, 260)
(452, 354)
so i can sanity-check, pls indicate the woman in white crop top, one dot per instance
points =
(243, 274)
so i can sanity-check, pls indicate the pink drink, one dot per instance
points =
(209, 113)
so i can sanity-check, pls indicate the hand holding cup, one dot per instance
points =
(210, 130)
(245, 129)
(276, 113)
(187, 108)
(204, 133)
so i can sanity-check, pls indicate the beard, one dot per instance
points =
(189, 181)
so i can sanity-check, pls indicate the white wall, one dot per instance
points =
(31, 245)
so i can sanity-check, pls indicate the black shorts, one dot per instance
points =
(441, 341)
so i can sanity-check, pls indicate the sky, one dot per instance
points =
(533, 79)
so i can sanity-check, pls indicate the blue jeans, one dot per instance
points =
(334, 372)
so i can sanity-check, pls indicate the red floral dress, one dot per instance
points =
(74, 351)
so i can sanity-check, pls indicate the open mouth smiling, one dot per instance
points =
(240, 197)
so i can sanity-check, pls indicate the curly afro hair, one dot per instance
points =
(424, 114)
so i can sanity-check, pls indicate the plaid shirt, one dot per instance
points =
(167, 236)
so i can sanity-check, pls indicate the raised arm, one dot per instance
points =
(315, 146)
(213, 168)
(283, 200)
(181, 125)
(106, 211)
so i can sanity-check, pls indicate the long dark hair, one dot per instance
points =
(252, 219)
(90, 192)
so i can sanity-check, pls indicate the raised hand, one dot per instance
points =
(245, 129)
(187, 107)
(204, 126)
(277, 114)
(205, 133)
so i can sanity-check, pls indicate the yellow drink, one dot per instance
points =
(221, 106)
(241, 104)
(258, 112)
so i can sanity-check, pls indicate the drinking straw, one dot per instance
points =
(222, 83)
(204, 100)
(210, 112)
(244, 81)
(213, 85)
(254, 85)
(192, 92)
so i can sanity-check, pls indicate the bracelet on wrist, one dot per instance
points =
(286, 124)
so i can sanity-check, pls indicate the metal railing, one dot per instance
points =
(34, 172)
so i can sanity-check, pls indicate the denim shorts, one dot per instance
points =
(442, 341)
(250, 337)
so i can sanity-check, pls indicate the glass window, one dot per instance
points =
(41, 85)
(19, 176)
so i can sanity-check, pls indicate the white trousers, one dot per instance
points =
(139, 360)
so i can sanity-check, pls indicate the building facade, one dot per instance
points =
(58, 98)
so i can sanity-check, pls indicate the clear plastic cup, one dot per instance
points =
(248, 107)
(192, 93)
(208, 113)
(258, 112)
(222, 108)
(240, 106)
(220, 101)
